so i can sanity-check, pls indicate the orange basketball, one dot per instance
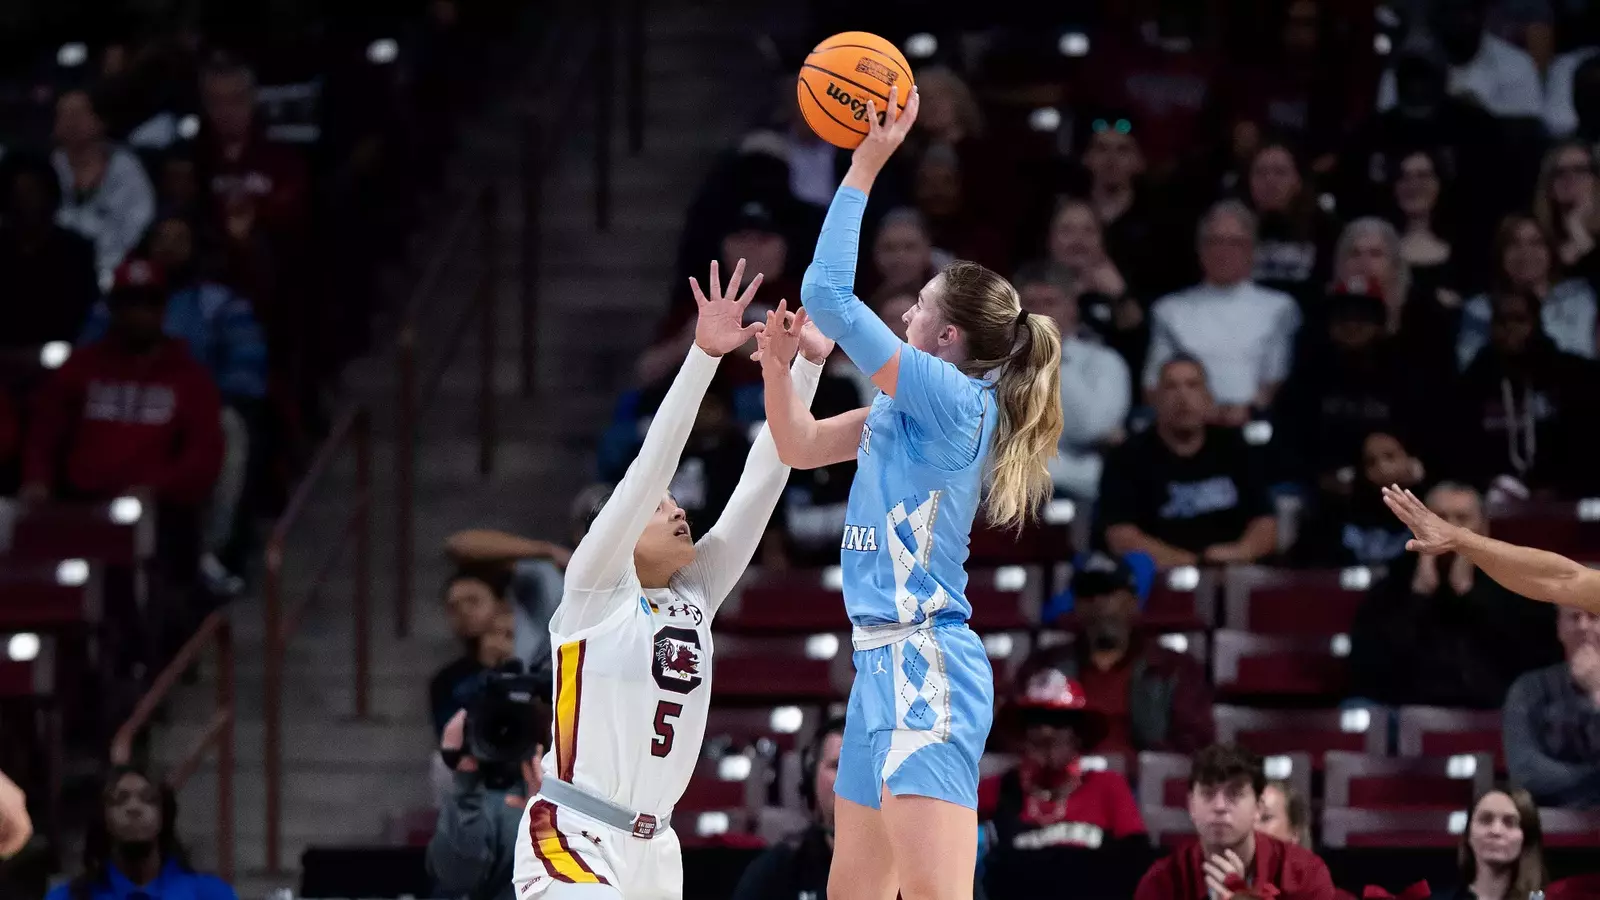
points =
(838, 78)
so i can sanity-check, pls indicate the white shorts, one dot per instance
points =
(565, 855)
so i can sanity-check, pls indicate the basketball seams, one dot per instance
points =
(825, 110)
(856, 84)
(899, 63)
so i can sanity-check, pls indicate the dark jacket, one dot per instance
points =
(795, 868)
(1553, 391)
(1169, 696)
(473, 849)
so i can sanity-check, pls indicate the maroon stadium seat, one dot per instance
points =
(746, 727)
(1107, 762)
(1570, 827)
(1164, 777)
(786, 602)
(1390, 827)
(1244, 663)
(48, 596)
(1438, 731)
(767, 679)
(53, 531)
(1040, 543)
(1285, 601)
(1363, 781)
(20, 679)
(1167, 826)
(1177, 603)
(707, 791)
(1310, 731)
(1554, 525)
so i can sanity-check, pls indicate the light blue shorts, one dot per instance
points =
(919, 714)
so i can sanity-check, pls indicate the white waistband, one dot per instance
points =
(871, 637)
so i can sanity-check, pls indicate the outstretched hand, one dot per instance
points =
(886, 136)
(1431, 535)
(811, 341)
(720, 328)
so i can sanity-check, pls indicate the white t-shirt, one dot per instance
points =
(1243, 334)
(1501, 76)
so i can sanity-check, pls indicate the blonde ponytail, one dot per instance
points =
(1029, 393)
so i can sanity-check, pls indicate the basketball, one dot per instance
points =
(841, 75)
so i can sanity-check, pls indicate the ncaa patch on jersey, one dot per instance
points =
(677, 660)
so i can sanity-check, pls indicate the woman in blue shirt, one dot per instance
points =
(970, 400)
(131, 850)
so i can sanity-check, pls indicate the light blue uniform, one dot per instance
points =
(923, 697)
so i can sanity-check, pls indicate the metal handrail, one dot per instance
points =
(353, 428)
(217, 630)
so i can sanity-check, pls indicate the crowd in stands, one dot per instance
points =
(1297, 251)
(195, 204)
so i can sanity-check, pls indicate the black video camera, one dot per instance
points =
(507, 719)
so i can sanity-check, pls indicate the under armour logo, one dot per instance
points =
(880, 670)
(592, 838)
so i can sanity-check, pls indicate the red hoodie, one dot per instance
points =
(108, 422)
(1296, 873)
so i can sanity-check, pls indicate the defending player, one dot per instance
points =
(972, 395)
(1535, 574)
(632, 641)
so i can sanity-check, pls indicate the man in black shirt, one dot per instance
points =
(1185, 492)
(797, 867)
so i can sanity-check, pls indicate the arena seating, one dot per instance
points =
(1365, 781)
(1435, 731)
(1262, 665)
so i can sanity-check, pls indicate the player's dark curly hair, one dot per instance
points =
(99, 846)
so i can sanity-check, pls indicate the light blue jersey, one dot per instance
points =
(923, 697)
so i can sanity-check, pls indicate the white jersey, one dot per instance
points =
(633, 666)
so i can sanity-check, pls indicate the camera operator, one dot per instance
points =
(493, 747)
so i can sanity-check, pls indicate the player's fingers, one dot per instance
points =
(731, 292)
(909, 116)
(783, 314)
(750, 292)
(699, 295)
(716, 281)
(800, 320)
(891, 110)
(872, 118)
(753, 329)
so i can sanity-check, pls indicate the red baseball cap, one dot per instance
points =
(139, 276)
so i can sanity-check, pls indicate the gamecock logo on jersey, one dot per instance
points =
(677, 660)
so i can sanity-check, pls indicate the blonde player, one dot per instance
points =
(632, 641)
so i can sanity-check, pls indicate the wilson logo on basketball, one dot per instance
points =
(858, 108)
(869, 66)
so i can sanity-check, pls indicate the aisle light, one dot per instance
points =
(23, 647)
(921, 45)
(1074, 43)
(72, 55)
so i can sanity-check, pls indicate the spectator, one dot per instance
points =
(537, 578)
(1552, 726)
(1353, 527)
(131, 410)
(950, 113)
(1095, 385)
(1077, 244)
(1565, 205)
(473, 848)
(1497, 74)
(1437, 632)
(131, 847)
(1524, 262)
(1239, 331)
(1422, 323)
(1295, 246)
(241, 168)
(902, 251)
(946, 200)
(220, 329)
(1150, 698)
(1161, 71)
(1125, 219)
(1347, 382)
(1526, 406)
(51, 267)
(1048, 799)
(1502, 853)
(1424, 219)
(798, 865)
(108, 197)
(1185, 491)
(1285, 814)
(473, 598)
(1225, 785)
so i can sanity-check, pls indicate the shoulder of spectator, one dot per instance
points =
(210, 887)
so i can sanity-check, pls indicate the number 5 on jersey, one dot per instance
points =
(666, 711)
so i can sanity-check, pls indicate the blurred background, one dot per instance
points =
(320, 322)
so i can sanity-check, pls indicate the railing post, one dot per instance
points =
(635, 53)
(532, 184)
(405, 451)
(363, 562)
(272, 645)
(488, 293)
(225, 751)
(604, 97)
